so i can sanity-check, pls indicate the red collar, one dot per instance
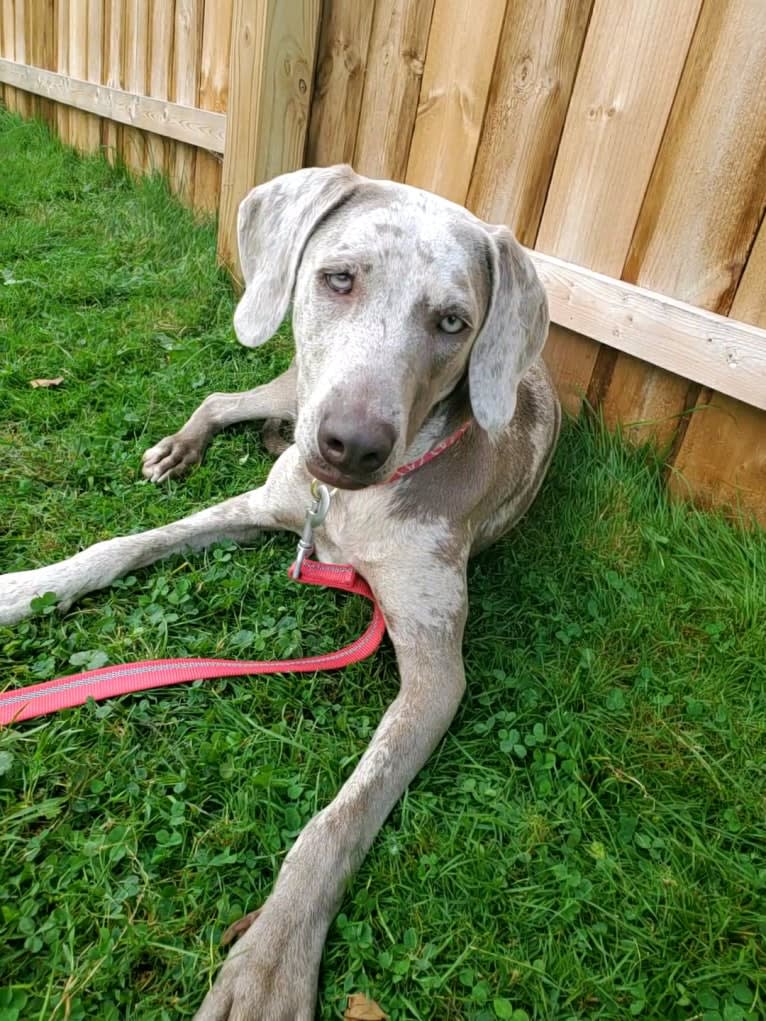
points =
(407, 469)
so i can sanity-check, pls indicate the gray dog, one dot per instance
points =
(411, 319)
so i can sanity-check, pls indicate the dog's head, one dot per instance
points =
(397, 295)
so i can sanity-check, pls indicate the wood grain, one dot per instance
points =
(183, 123)
(461, 53)
(344, 41)
(611, 137)
(529, 93)
(273, 49)
(213, 95)
(722, 460)
(135, 46)
(392, 87)
(704, 200)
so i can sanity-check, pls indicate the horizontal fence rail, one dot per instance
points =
(710, 349)
(202, 128)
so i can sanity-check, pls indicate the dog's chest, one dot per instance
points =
(359, 528)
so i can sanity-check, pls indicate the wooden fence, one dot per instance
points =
(624, 142)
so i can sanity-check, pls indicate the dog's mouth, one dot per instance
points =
(338, 479)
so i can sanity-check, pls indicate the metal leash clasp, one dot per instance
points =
(316, 512)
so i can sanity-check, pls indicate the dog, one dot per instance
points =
(418, 328)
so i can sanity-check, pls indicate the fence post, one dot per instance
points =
(271, 71)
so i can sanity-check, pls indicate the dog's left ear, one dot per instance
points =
(513, 334)
(274, 222)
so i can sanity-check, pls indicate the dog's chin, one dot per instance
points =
(339, 480)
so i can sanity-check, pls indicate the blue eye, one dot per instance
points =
(452, 324)
(341, 283)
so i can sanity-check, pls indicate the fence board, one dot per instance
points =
(344, 42)
(23, 104)
(392, 86)
(610, 141)
(532, 81)
(114, 15)
(273, 48)
(186, 68)
(62, 65)
(213, 95)
(703, 202)
(44, 45)
(133, 149)
(160, 71)
(7, 48)
(722, 459)
(77, 41)
(142, 113)
(461, 53)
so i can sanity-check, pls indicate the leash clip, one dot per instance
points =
(316, 512)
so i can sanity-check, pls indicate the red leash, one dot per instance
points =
(19, 704)
(65, 692)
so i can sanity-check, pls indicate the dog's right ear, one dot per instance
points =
(274, 222)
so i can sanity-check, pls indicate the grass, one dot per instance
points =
(587, 842)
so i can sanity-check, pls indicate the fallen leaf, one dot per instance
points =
(361, 1009)
(47, 383)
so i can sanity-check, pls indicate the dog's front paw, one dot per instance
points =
(171, 457)
(269, 975)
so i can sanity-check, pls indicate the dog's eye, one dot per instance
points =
(341, 283)
(451, 324)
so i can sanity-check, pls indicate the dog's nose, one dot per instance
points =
(355, 448)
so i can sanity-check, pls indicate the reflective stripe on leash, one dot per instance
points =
(19, 704)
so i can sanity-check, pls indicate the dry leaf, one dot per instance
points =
(46, 383)
(361, 1009)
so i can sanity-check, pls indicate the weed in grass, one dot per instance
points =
(587, 842)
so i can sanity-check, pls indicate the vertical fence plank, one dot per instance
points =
(392, 86)
(24, 103)
(44, 42)
(534, 71)
(611, 137)
(344, 42)
(722, 459)
(114, 19)
(703, 203)
(273, 47)
(8, 46)
(79, 123)
(185, 86)
(62, 65)
(461, 53)
(95, 66)
(136, 18)
(160, 63)
(213, 95)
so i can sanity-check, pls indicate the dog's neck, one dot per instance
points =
(442, 421)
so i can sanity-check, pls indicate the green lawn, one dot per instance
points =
(589, 841)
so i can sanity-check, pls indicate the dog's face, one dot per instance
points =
(391, 292)
(397, 295)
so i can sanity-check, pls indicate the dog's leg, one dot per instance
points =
(174, 455)
(271, 973)
(98, 566)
